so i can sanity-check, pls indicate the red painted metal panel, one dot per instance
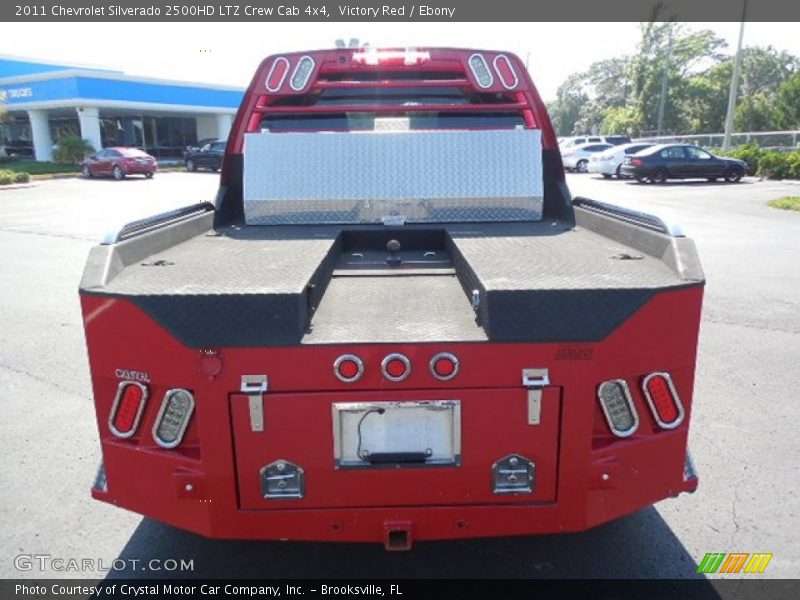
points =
(494, 424)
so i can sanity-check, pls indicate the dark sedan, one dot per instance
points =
(681, 161)
(208, 156)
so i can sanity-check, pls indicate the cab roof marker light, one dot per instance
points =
(663, 399)
(505, 71)
(617, 404)
(480, 70)
(173, 417)
(126, 412)
(277, 74)
(408, 57)
(302, 73)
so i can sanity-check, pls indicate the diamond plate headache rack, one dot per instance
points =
(417, 176)
(655, 220)
(142, 226)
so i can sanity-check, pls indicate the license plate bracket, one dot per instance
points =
(422, 433)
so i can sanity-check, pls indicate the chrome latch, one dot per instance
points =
(282, 479)
(255, 386)
(513, 474)
(534, 380)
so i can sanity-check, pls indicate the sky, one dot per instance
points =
(228, 53)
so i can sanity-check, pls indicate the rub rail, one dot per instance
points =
(660, 223)
(143, 226)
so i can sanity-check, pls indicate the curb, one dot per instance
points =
(16, 186)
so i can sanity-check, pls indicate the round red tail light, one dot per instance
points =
(396, 367)
(444, 366)
(348, 368)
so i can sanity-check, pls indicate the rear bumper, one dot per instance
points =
(631, 171)
(136, 169)
(617, 483)
(604, 167)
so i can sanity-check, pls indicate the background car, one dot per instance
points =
(208, 156)
(614, 140)
(681, 161)
(609, 163)
(576, 158)
(198, 145)
(118, 162)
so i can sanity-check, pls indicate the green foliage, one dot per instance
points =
(750, 153)
(72, 149)
(786, 203)
(623, 120)
(779, 165)
(6, 177)
(698, 76)
(21, 177)
(787, 105)
(755, 113)
(40, 168)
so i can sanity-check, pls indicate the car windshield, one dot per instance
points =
(218, 146)
(133, 153)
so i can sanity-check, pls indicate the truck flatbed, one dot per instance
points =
(539, 281)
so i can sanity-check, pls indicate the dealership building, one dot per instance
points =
(44, 101)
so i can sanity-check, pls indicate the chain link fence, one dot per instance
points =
(768, 140)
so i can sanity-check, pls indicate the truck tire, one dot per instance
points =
(659, 176)
(733, 175)
(118, 173)
(87, 174)
(190, 166)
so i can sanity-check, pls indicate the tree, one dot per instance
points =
(570, 97)
(622, 119)
(755, 113)
(72, 149)
(787, 104)
(671, 50)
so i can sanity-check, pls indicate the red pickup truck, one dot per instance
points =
(394, 323)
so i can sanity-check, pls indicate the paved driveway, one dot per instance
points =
(744, 432)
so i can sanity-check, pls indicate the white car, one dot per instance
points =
(576, 158)
(609, 163)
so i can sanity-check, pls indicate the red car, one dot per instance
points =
(119, 162)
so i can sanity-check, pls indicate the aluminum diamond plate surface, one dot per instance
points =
(418, 176)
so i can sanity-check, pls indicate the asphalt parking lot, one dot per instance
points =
(744, 430)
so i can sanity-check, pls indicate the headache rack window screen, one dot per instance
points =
(393, 177)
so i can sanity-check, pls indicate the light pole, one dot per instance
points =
(737, 67)
(664, 81)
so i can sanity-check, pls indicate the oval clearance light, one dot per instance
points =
(127, 409)
(277, 74)
(302, 73)
(505, 71)
(480, 70)
(173, 418)
(396, 367)
(444, 366)
(617, 404)
(663, 400)
(348, 368)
